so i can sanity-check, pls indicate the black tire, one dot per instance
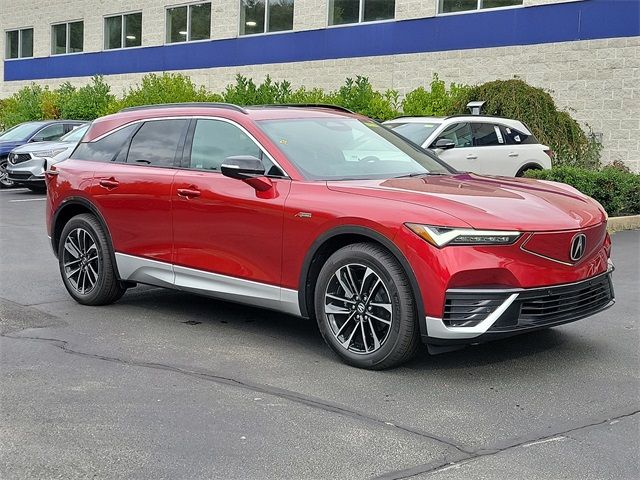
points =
(107, 288)
(37, 188)
(4, 180)
(402, 335)
(526, 168)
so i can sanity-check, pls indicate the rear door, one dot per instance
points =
(133, 191)
(225, 232)
(493, 156)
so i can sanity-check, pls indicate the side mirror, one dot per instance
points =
(444, 144)
(242, 167)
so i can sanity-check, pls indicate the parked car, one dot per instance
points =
(28, 162)
(321, 213)
(39, 131)
(477, 143)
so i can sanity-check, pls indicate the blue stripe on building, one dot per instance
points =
(565, 22)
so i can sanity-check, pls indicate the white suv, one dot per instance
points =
(477, 143)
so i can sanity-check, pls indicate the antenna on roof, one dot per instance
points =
(475, 107)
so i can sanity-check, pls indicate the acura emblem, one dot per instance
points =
(578, 244)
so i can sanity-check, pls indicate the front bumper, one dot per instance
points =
(479, 315)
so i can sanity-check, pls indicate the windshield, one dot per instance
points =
(347, 149)
(75, 135)
(416, 132)
(21, 132)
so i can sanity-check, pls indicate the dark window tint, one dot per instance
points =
(11, 44)
(215, 140)
(458, 133)
(105, 149)
(156, 143)
(487, 134)
(516, 137)
(378, 10)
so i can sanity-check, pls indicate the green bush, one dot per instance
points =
(29, 103)
(359, 96)
(535, 107)
(617, 189)
(438, 101)
(85, 103)
(164, 88)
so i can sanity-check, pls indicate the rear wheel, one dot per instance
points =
(85, 262)
(365, 307)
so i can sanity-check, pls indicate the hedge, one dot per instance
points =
(615, 187)
(510, 98)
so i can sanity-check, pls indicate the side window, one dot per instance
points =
(458, 133)
(516, 137)
(52, 132)
(105, 149)
(215, 140)
(156, 143)
(487, 134)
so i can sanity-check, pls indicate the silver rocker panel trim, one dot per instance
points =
(162, 274)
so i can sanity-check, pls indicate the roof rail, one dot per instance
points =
(307, 105)
(230, 106)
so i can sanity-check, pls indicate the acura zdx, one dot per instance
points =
(321, 213)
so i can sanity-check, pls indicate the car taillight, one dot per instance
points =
(549, 153)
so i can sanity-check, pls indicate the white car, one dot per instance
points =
(477, 143)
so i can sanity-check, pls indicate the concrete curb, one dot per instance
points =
(617, 224)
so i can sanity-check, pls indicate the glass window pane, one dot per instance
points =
(59, 39)
(133, 30)
(378, 10)
(251, 17)
(280, 15)
(76, 37)
(485, 134)
(177, 24)
(344, 11)
(105, 149)
(214, 141)
(200, 21)
(113, 32)
(52, 132)
(156, 143)
(458, 133)
(26, 45)
(11, 50)
(448, 6)
(500, 3)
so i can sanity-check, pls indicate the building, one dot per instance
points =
(587, 52)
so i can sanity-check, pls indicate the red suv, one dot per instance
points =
(321, 213)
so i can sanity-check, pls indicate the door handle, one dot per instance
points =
(471, 156)
(109, 183)
(188, 192)
(513, 154)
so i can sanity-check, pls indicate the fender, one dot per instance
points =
(96, 212)
(303, 294)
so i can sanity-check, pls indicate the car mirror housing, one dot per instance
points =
(444, 144)
(242, 167)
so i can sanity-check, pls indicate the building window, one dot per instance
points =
(67, 38)
(452, 6)
(342, 12)
(260, 16)
(123, 31)
(19, 43)
(189, 22)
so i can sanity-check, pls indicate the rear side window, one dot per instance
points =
(105, 149)
(487, 134)
(458, 133)
(156, 143)
(516, 137)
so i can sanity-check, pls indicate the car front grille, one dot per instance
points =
(531, 308)
(15, 158)
(19, 176)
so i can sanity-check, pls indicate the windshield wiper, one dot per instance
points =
(420, 174)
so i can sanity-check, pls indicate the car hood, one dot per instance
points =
(39, 146)
(6, 147)
(486, 202)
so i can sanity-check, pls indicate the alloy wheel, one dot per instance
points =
(4, 175)
(80, 260)
(359, 309)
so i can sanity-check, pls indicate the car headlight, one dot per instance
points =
(442, 236)
(48, 153)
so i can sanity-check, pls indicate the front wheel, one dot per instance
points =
(4, 175)
(85, 262)
(365, 307)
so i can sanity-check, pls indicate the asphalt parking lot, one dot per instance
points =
(170, 385)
